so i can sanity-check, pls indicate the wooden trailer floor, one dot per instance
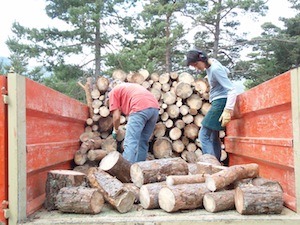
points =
(138, 216)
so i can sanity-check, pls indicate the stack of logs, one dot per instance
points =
(176, 176)
(183, 104)
(171, 184)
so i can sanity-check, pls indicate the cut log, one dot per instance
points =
(119, 75)
(96, 155)
(219, 201)
(57, 179)
(116, 196)
(136, 77)
(80, 158)
(149, 195)
(185, 179)
(194, 101)
(178, 146)
(116, 165)
(183, 90)
(159, 130)
(186, 77)
(201, 86)
(81, 200)
(169, 98)
(205, 107)
(109, 144)
(182, 196)
(164, 78)
(223, 178)
(134, 189)
(157, 170)
(102, 84)
(211, 159)
(105, 123)
(191, 131)
(175, 133)
(251, 200)
(173, 111)
(162, 148)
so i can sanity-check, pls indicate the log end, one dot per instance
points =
(210, 183)
(125, 202)
(97, 202)
(209, 203)
(239, 200)
(109, 160)
(144, 197)
(166, 200)
(136, 175)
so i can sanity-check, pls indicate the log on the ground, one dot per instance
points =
(57, 179)
(219, 201)
(226, 177)
(79, 200)
(251, 200)
(134, 189)
(185, 179)
(117, 197)
(116, 165)
(149, 195)
(157, 170)
(211, 159)
(182, 196)
(204, 168)
(96, 154)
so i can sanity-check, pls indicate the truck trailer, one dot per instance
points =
(40, 129)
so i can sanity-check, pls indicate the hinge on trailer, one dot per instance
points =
(5, 209)
(4, 95)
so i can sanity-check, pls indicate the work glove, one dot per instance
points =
(225, 117)
(114, 134)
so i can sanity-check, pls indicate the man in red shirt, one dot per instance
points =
(142, 107)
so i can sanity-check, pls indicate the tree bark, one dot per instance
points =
(79, 200)
(219, 201)
(182, 196)
(251, 200)
(157, 170)
(223, 178)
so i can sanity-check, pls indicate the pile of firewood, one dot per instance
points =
(170, 184)
(183, 104)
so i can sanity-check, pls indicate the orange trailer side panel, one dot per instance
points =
(54, 123)
(261, 132)
(3, 151)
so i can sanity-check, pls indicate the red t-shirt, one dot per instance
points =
(131, 97)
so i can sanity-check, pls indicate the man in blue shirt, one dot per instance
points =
(222, 98)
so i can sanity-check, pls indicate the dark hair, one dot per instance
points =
(193, 56)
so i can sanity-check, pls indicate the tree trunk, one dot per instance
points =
(79, 200)
(251, 200)
(157, 170)
(149, 195)
(223, 178)
(219, 201)
(182, 196)
(57, 179)
(117, 166)
(112, 191)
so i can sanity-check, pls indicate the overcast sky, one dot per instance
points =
(31, 13)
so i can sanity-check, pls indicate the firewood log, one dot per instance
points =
(111, 189)
(175, 133)
(156, 170)
(57, 179)
(183, 90)
(223, 178)
(96, 154)
(116, 165)
(131, 187)
(81, 200)
(191, 131)
(102, 84)
(119, 75)
(211, 159)
(182, 196)
(164, 78)
(80, 158)
(185, 179)
(149, 195)
(219, 201)
(251, 200)
(186, 77)
(194, 101)
(162, 148)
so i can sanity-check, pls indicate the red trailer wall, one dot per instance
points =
(261, 132)
(54, 123)
(3, 151)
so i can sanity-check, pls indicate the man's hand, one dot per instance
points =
(225, 117)
(114, 134)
